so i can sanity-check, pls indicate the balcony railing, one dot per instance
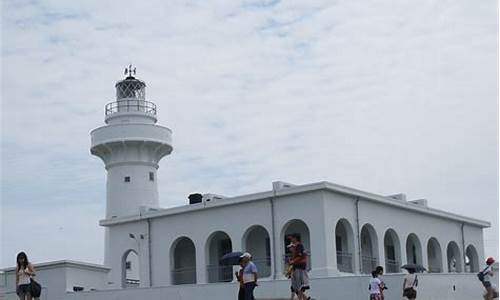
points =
(130, 283)
(184, 275)
(344, 262)
(392, 266)
(368, 264)
(130, 105)
(435, 269)
(263, 266)
(218, 273)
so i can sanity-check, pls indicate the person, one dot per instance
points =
(289, 272)
(375, 286)
(380, 272)
(409, 284)
(488, 273)
(24, 272)
(299, 277)
(239, 277)
(249, 275)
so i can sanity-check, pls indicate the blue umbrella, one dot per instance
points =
(231, 258)
(417, 267)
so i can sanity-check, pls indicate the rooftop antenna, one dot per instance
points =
(129, 71)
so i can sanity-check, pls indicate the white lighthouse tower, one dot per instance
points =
(131, 145)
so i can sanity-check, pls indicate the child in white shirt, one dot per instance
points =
(375, 286)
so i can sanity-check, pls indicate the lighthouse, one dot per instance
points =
(131, 144)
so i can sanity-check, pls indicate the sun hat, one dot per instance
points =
(246, 254)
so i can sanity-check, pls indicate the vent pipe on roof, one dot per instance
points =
(278, 185)
(212, 197)
(195, 198)
(400, 197)
(421, 202)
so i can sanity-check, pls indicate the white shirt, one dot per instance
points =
(248, 272)
(410, 281)
(23, 277)
(375, 286)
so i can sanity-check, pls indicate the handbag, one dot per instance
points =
(480, 275)
(410, 291)
(35, 288)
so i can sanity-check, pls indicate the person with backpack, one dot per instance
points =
(485, 277)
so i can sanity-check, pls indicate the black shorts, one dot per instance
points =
(304, 288)
(486, 284)
(23, 290)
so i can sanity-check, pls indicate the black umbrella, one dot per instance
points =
(417, 267)
(231, 258)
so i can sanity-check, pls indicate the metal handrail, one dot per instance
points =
(219, 273)
(344, 262)
(392, 266)
(184, 275)
(127, 105)
(368, 264)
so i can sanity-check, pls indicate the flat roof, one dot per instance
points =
(65, 264)
(297, 189)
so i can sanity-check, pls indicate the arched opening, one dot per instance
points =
(471, 259)
(218, 244)
(344, 246)
(183, 261)
(369, 249)
(256, 242)
(434, 256)
(453, 258)
(392, 250)
(299, 228)
(130, 269)
(413, 250)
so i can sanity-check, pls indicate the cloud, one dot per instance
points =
(386, 97)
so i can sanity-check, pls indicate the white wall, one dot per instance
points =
(431, 287)
(404, 223)
(60, 278)
(319, 210)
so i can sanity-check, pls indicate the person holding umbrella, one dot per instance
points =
(233, 259)
(239, 277)
(249, 275)
(410, 283)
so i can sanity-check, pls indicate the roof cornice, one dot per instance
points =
(318, 186)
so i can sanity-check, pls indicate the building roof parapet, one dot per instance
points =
(318, 186)
(64, 263)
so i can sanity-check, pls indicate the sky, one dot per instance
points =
(384, 96)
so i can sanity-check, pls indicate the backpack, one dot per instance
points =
(480, 275)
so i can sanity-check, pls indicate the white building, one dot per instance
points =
(348, 232)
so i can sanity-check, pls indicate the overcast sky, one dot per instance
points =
(383, 96)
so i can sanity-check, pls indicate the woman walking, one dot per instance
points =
(409, 285)
(239, 277)
(24, 272)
